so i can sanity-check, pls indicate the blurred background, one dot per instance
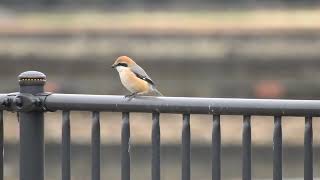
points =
(200, 48)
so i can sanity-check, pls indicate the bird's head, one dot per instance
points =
(123, 62)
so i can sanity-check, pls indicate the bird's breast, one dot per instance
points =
(132, 82)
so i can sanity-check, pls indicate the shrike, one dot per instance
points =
(134, 78)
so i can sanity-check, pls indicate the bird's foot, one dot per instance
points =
(131, 96)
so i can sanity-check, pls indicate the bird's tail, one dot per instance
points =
(156, 92)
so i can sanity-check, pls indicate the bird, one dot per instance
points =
(134, 78)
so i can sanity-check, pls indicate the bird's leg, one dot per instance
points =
(135, 94)
(130, 96)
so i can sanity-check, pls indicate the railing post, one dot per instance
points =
(31, 129)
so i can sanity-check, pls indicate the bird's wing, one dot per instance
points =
(140, 73)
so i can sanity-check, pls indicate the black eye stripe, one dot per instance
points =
(122, 64)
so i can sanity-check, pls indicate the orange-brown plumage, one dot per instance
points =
(132, 82)
(124, 59)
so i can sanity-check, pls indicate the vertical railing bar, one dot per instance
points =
(31, 126)
(277, 149)
(125, 147)
(66, 174)
(186, 147)
(308, 152)
(95, 146)
(216, 148)
(246, 148)
(155, 170)
(1, 145)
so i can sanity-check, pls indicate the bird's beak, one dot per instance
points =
(113, 66)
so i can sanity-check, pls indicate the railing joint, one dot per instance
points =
(25, 102)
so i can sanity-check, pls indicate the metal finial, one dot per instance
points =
(32, 78)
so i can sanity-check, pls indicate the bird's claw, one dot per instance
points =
(130, 96)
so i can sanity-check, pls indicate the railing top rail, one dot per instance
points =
(192, 105)
(223, 106)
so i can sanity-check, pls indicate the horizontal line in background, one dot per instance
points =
(54, 32)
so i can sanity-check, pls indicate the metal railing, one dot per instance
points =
(31, 103)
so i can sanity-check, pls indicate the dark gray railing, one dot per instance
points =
(31, 103)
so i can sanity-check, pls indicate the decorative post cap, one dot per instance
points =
(31, 78)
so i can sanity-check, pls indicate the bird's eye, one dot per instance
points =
(123, 64)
